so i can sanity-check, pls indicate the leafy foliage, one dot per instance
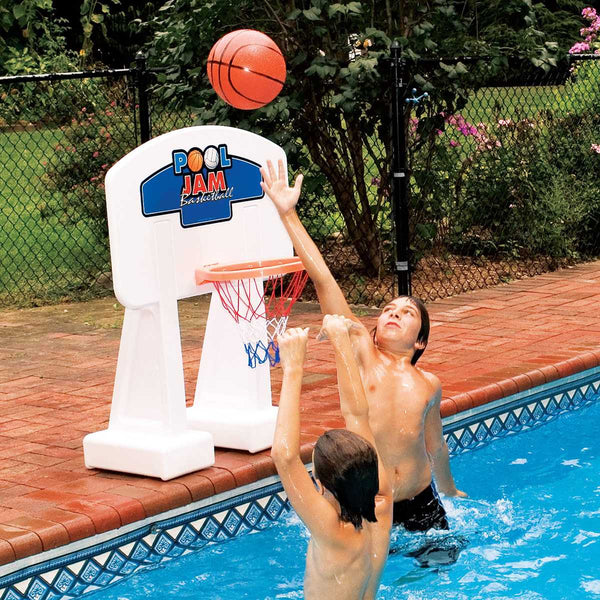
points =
(33, 39)
(92, 144)
(93, 15)
(333, 110)
(519, 185)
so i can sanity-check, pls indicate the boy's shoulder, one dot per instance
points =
(432, 379)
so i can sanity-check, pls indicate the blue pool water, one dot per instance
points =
(530, 530)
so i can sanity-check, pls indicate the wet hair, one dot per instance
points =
(346, 465)
(423, 336)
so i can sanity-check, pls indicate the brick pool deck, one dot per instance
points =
(57, 367)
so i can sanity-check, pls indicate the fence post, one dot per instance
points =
(142, 86)
(399, 170)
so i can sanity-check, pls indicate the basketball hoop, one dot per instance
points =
(259, 295)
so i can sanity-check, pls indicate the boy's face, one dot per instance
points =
(399, 324)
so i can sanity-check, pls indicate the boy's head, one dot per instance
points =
(346, 465)
(403, 325)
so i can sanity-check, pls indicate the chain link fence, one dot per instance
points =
(503, 187)
(58, 136)
(345, 206)
(506, 186)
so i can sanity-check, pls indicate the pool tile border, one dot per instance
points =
(533, 407)
(88, 569)
(89, 565)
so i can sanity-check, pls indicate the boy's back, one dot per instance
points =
(349, 566)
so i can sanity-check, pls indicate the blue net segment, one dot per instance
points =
(259, 352)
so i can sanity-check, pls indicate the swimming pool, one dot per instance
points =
(530, 529)
(506, 536)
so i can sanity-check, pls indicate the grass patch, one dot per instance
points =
(42, 259)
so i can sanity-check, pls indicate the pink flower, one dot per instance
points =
(439, 132)
(467, 129)
(454, 143)
(595, 148)
(589, 13)
(96, 154)
(83, 109)
(579, 47)
(113, 103)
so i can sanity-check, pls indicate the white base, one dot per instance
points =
(250, 430)
(155, 454)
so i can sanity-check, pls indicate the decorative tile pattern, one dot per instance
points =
(521, 411)
(97, 567)
(88, 570)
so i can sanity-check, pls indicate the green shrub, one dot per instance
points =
(520, 186)
(94, 142)
(46, 52)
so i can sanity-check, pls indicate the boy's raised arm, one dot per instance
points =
(353, 401)
(285, 198)
(318, 515)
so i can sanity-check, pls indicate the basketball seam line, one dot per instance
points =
(221, 56)
(218, 62)
(231, 82)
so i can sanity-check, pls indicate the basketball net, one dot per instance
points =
(261, 311)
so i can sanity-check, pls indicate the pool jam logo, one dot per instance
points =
(201, 184)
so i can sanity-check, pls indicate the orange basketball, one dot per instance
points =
(195, 160)
(246, 69)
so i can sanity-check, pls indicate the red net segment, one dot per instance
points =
(259, 306)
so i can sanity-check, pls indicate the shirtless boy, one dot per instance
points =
(349, 513)
(404, 401)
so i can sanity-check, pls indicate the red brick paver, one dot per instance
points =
(57, 367)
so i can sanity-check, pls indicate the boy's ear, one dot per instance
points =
(320, 487)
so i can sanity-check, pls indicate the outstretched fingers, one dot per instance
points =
(298, 182)
(272, 174)
(267, 180)
(282, 173)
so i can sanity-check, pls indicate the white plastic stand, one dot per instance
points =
(147, 432)
(232, 400)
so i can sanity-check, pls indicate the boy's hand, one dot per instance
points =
(292, 347)
(275, 185)
(335, 326)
